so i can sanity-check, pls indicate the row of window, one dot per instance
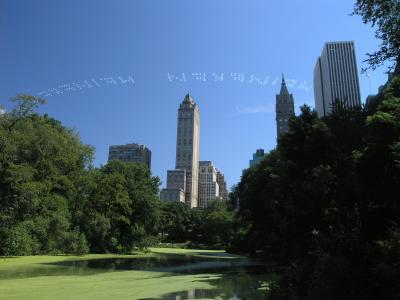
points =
(189, 155)
(189, 141)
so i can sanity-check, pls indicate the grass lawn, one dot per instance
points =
(29, 278)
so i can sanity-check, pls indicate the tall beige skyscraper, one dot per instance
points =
(187, 147)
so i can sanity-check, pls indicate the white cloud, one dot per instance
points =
(2, 110)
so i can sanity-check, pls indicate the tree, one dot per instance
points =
(218, 224)
(40, 162)
(122, 207)
(324, 207)
(24, 105)
(176, 222)
(385, 16)
(52, 200)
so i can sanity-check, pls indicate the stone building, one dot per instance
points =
(130, 153)
(284, 109)
(223, 190)
(187, 153)
(208, 185)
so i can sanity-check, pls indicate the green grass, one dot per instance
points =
(94, 283)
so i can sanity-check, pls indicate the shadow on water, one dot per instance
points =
(242, 285)
(158, 262)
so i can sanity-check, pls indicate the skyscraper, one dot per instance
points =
(187, 147)
(336, 77)
(284, 109)
(187, 154)
(130, 153)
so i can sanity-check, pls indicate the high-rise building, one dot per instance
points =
(208, 185)
(257, 157)
(130, 153)
(187, 153)
(284, 109)
(223, 191)
(336, 77)
(187, 147)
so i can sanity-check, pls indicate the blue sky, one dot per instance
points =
(117, 70)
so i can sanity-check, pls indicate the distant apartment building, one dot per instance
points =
(174, 195)
(208, 185)
(336, 77)
(176, 184)
(223, 191)
(284, 109)
(130, 153)
(257, 157)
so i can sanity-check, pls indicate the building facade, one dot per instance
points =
(187, 147)
(176, 179)
(208, 185)
(187, 155)
(336, 77)
(223, 190)
(257, 157)
(284, 109)
(176, 195)
(130, 153)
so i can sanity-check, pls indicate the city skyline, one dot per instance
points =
(192, 181)
(119, 78)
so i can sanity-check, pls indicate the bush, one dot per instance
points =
(21, 242)
(76, 243)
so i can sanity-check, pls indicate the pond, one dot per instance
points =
(223, 276)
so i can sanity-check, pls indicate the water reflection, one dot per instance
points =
(243, 285)
(234, 278)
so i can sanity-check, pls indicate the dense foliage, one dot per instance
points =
(121, 207)
(384, 16)
(324, 206)
(53, 201)
(212, 226)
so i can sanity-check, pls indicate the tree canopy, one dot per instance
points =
(52, 200)
(324, 205)
(384, 15)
